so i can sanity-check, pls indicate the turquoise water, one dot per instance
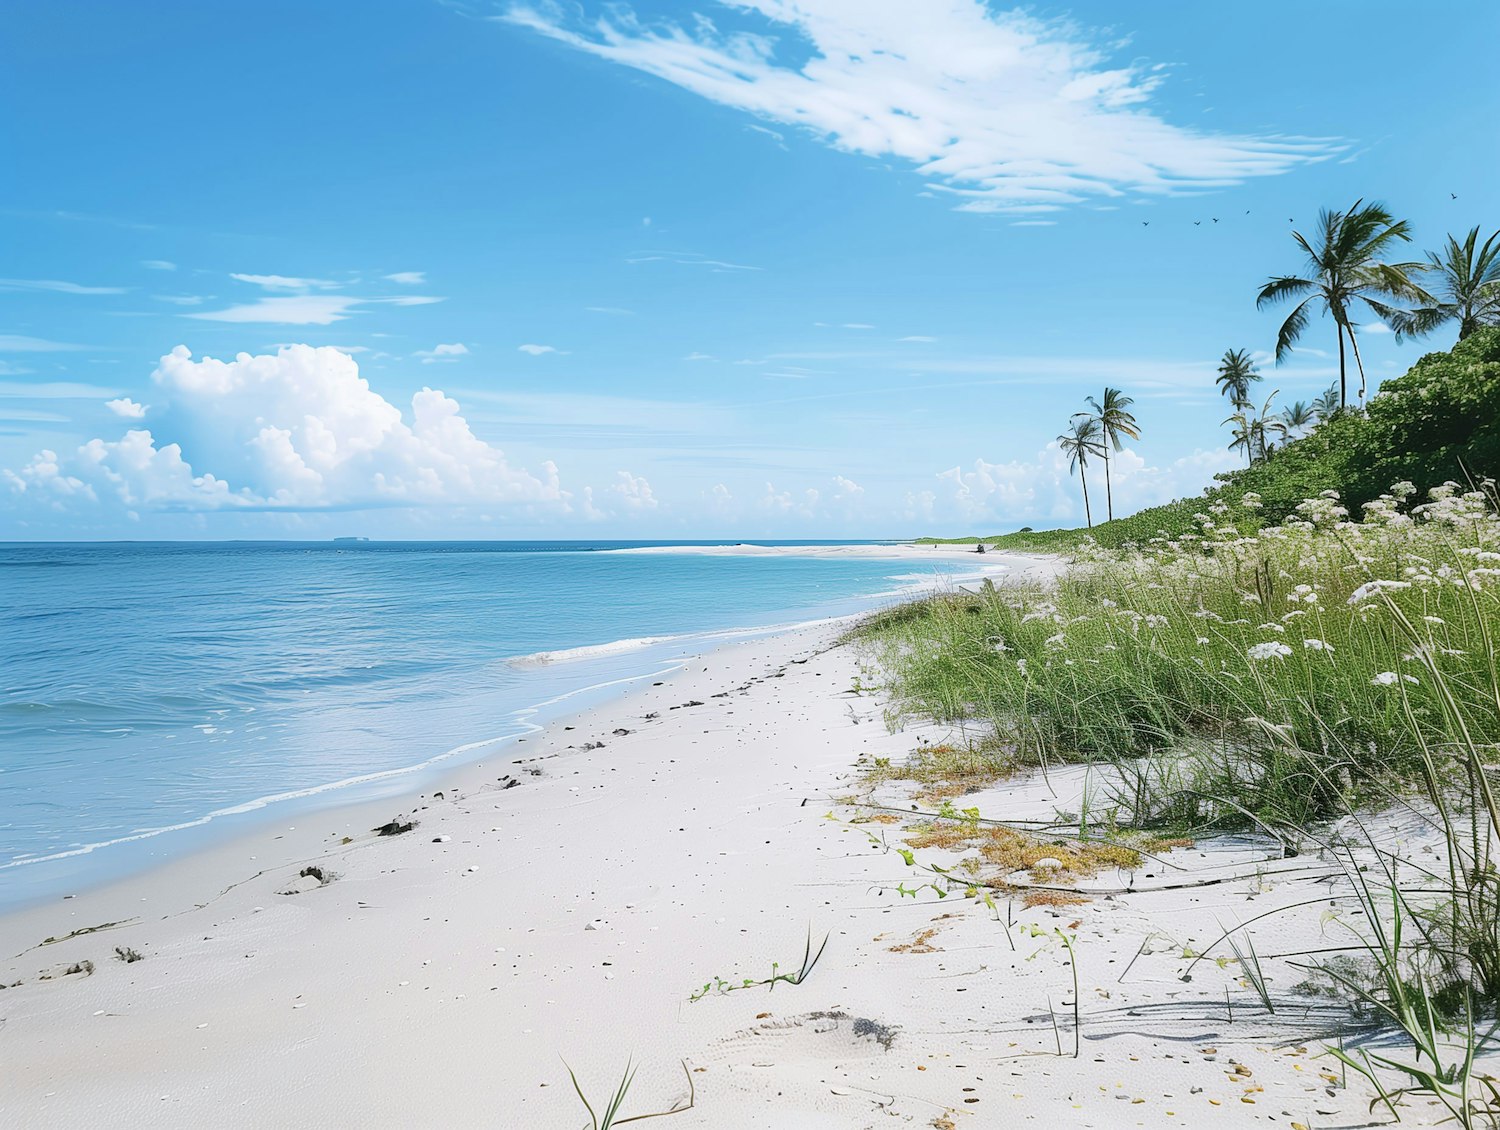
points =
(153, 696)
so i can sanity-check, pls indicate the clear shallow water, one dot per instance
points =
(192, 687)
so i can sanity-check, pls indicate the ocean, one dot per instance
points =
(154, 696)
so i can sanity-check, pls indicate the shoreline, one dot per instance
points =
(138, 852)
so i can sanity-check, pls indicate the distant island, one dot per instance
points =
(351, 539)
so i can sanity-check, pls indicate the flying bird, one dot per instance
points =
(1216, 219)
(1145, 223)
(1197, 223)
(1453, 195)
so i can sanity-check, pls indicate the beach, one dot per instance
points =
(559, 910)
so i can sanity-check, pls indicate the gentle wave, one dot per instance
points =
(520, 718)
(591, 651)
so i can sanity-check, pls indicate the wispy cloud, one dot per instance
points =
(691, 259)
(407, 278)
(608, 310)
(55, 390)
(916, 337)
(285, 282)
(57, 286)
(306, 309)
(180, 299)
(287, 310)
(1002, 110)
(535, 350)
(19, 343)
(158, 264)
(696, 356)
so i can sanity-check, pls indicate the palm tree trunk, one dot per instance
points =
(1087, 513)
(1354, 345)
(1109, 491)
(1343, 389)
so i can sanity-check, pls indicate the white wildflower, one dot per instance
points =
(1271, 649)
(1317, 645)
(1370, 588)
(1390, 679)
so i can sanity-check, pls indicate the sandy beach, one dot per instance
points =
(563, 908)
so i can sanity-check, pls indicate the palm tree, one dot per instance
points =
(1345, 266)
(1114, 420)
(1327, 404)
(1468, 285)
(1236, 375)
(1299, 416)
(1253, 431)
(1264, 425)
(1084, 440)
(1241, 435)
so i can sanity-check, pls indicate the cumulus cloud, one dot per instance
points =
(297, 430)
(634, 492)
(535, 350)
(801, 504)
(126, 409)
(846, 490)
(443, 352)
(1002, 110)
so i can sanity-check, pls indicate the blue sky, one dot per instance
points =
(799, 268)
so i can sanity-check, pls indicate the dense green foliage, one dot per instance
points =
(1439, 422)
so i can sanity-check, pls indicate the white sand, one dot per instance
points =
(443, 983)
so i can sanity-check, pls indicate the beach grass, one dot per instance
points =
(1310, 679)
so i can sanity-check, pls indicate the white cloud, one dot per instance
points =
(803, 504)
(634, 492)
(290, 310)
(1003, 110)
(19, 343)
(1033, 223)
(1044, 490)
(180, 299)
(535, 350)
(608, 310)
(306, 309)
(285, 282)
(443, 352)
(297, 430)
(158, 265)
(407, 278)
(916, 337)
(696, 356)
(58, 287)
(126, 409)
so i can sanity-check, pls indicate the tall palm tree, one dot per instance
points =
(1298, 416)
(1328, 403)
(1084, 440)
(1345, 266)
(1468, 286)
(1112, 414)
(1236, 375)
